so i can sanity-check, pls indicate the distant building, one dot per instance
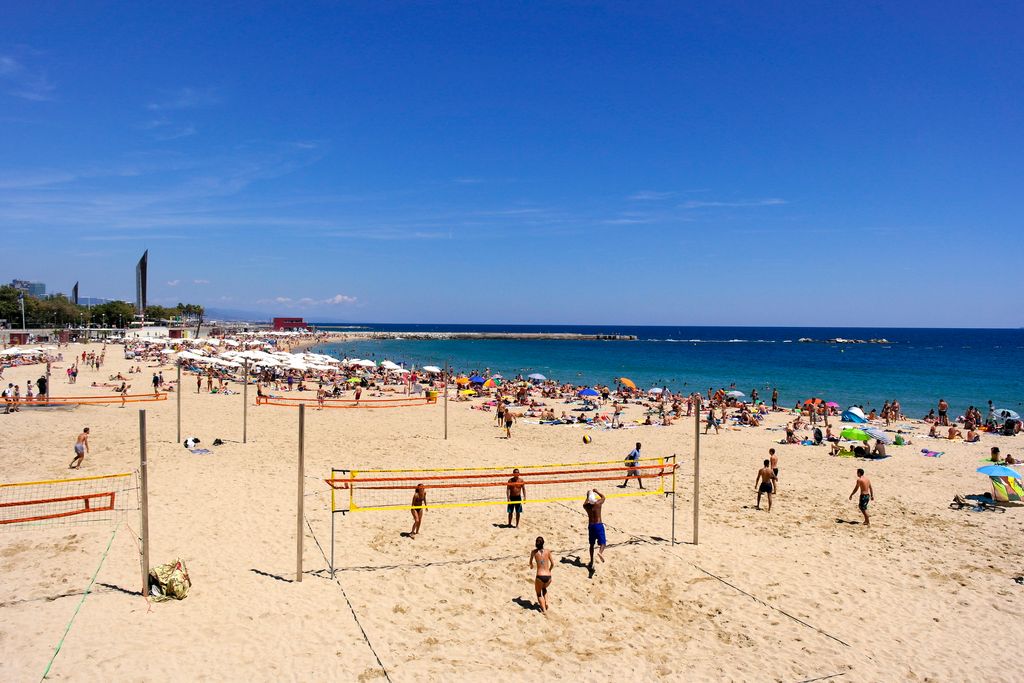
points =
(288, 324)
(36, 289)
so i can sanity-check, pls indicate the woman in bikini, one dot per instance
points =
(419, 504)
(544, 566)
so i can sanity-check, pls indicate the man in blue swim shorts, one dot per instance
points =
(595, 529)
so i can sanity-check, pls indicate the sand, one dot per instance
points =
(803, 592)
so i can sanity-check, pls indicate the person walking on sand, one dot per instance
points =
(515, 493)
(595, 527)
(712, 422)
(81, 448)
(867, 494)
(632, 467)
(765, 484)
(774, 464)
(419, 506)
(509, 419)
(542, 580)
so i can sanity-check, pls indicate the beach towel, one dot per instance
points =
(168, 581)
(199, 451)
(931, 454)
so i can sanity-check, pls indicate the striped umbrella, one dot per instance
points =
(878, 434)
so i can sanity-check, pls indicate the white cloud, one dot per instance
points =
(756, 202)
(649, 195)
(283, 299)
(25, 82)
(199, 282)
(185, 98)
(340, 299)
(173, 283)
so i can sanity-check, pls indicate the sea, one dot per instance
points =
(916, 366)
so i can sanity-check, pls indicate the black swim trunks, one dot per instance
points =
(765, 487)
(864, 500)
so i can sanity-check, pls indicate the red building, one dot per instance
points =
(288, 324)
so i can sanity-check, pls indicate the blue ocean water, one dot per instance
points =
(919, 366)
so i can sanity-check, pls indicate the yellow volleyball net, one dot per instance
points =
(402, 489)
(104, 499)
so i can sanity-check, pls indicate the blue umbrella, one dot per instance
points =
(588, 392)
(477, 379)
(999, 471)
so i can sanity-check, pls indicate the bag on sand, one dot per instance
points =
(169, 581)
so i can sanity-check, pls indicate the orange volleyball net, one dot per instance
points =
(381, 490)
(64, 502)
(92, 400)
(369, 403)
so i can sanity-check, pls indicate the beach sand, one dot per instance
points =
(924, 594)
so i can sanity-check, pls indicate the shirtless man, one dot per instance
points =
(774, 464)
(509, 419)
(81, 448)
(879, 449)
(419, 506)
(595, 527)
(765, 484)
(943, 413)
(867, 494)
(515, 494)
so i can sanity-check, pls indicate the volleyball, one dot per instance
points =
(586, 438)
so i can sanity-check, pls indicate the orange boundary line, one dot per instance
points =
(350, 403)
(86, 400)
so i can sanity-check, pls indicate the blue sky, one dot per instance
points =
(584, 162)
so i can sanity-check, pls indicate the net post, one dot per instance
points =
(673, 542)
(299, 499)
(144, 502)
(332, 526)
(696, 473)
(446, 400)
(245, 401)
(179, 400)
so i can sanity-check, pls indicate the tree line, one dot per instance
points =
(58, 311)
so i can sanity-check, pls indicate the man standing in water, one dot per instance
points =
(81, 448)
(515, 492)
(595, 527)
(867, 494)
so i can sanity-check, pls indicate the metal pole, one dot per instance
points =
(144, 501)
(299, 500)
(446, 400)
(332, 527)
(180, 390)
(245, 402)
(673, 499)
(696, 474)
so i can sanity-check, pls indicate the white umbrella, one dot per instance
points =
(655, 390)
(431, 368)
(365, 363)
(388, 365)
(537, 376)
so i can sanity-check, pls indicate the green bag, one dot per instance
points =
(169, 581)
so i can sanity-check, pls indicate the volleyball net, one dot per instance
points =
(313, 401)
(396, 489)
(102, 499)
(91, 400)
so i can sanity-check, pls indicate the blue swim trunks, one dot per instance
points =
(596, 532)
(515, 506)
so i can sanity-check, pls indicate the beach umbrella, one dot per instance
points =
(353, 380)
(655, 390)
(477, 379)
(812, 401)
(832, 404)
(588, 392)
(497, 375)
(431, 368)
(999, 471)
(537, 376)
(1005, 413)
(462, 381)
(389, 365)
(878, 434)
(627, 382)
(493, 382)
(854, 434)
(735, 394)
